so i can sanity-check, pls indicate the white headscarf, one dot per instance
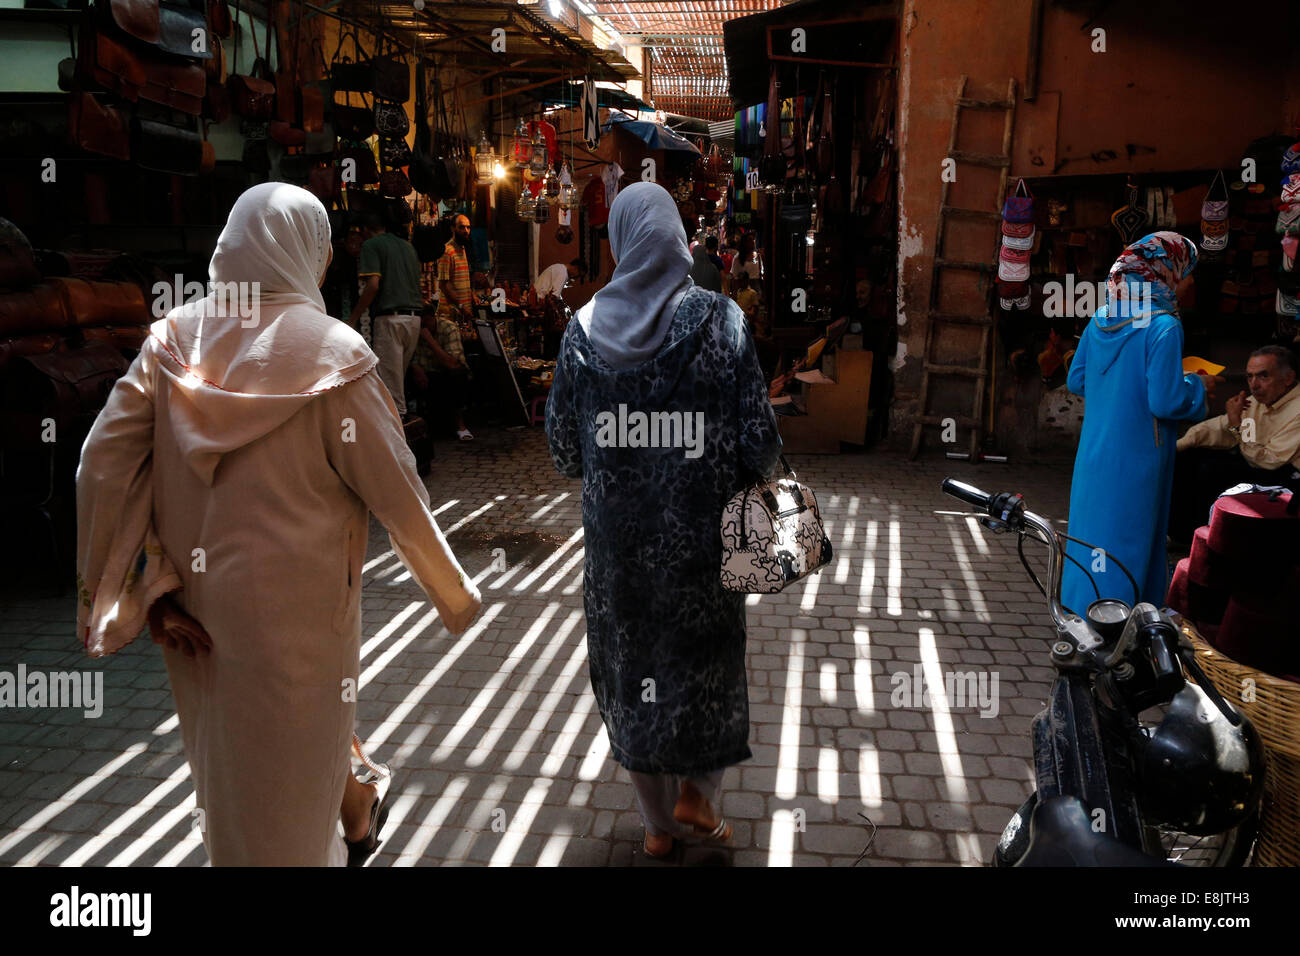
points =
(240, 372)
(628, 320)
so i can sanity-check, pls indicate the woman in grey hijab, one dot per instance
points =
(660, 407)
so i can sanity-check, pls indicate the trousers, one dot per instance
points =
(395, 339)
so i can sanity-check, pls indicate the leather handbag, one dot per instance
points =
(138, 18)
(30, 311)
(179, 86)
(772, 536)
(394, 183)
(90, 303)
(178, 24)
(124, 337)
(1019, 206)
(287, 135)
(391, 120)
(105, 62)
(323, 182)
(353, 122)
(772, 166)
(251, 94)
(394, 153)
(422, 170)
(216, 102)
(347, 75)
(390, 77)
(166, 148)
(215, 67)
(98, 128)
(365, 169)
(398, 211)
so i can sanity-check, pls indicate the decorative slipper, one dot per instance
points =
(464, 434)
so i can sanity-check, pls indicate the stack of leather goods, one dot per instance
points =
(64, 342)
(141, 81)
(1241, 584)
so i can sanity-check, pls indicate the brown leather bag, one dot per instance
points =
(215, 68)
(251, 94)
(90, 303)
(178, 85)
(131, 337)
(98, 128)
(104, 62)
(38, 309)
(219, 21)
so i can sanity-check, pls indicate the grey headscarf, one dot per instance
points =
(628, 320)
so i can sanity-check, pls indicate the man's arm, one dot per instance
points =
(368, 293)
(1211, 433)
(1282, 447)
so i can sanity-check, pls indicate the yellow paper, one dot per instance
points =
(1194, 363)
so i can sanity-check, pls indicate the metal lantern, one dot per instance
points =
(527, 204)
(538, 161)
(552, 187)
(542, 210)
(568, 196)
(522, 152)
(484, 158)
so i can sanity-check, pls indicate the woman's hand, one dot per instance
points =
(176, 630)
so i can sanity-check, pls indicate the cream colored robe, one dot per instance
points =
(256, 506)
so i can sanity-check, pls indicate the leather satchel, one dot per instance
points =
(347, 75)
(215, 68)
(252, 95)
(90, 303)
(219, 21)
(165, 148)
(180, 86)
(391, 120)
(177, 25)
(288, 135)
(104, 62)
(391, 78)
(323, 183)
(394, 153)
(38, 309)
(216, 102)
(98, 128)
(141, 19)
(353, 122)
(394, 183)
(366, 171)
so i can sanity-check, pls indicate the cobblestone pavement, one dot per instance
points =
(499, 753)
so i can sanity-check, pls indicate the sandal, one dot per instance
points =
(465, 434)
(380, 775)
(658, 847)
(721, 832)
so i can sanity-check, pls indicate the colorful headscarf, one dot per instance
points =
(1143, 280)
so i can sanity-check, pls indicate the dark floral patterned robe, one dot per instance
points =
(665, 642)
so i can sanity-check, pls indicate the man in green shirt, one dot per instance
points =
(390, 274)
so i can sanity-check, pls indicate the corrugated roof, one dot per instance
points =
(687, 60)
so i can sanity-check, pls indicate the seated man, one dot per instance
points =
(1257, 441)
(439, 372)
(747, 298)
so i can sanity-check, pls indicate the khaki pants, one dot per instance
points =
(395, 340)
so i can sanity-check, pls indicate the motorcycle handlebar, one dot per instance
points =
(967, 493)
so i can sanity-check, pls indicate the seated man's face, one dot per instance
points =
(1266, 381)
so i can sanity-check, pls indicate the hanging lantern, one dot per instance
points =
(484, 158)
(522, 152)
(552, 186)
(538, 161)
(568, 193)
(542, 211)
(527, 205)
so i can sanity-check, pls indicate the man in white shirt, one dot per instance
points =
(553, 279)
(1257, 440)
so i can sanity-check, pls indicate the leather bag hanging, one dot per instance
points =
(391, 120)
(390, 76)
(772, 166)
(98, 128)
(353, 122)
(393, 182)
(251, 94)
(422, 171)
(177, 25)
(347, 75)
(394, 153)
(219, 21)
(104, 61)
(138, 18)
(165, 148)
(367, 172)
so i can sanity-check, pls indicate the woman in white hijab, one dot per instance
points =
(233, 471)
(665, 642)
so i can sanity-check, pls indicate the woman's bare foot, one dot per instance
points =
(358, 799)
(693, 810)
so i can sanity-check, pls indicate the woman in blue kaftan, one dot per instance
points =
(1129, 367)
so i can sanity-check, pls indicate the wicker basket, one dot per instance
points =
(1275, 712)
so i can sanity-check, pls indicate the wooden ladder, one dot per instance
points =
(977, 374)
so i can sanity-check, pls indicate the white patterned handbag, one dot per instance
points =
(772, 535)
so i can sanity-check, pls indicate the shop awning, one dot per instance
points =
(652, 134)
(564, 93)
(861, 33)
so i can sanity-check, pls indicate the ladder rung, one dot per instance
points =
(965, 421)
(957, 212)
(960, 319)
(967, 103)
(980, 159)
(956, 370)
(942, 263)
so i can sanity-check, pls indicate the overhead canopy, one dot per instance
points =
(564, 93)
(652, 134)
(844, 34)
